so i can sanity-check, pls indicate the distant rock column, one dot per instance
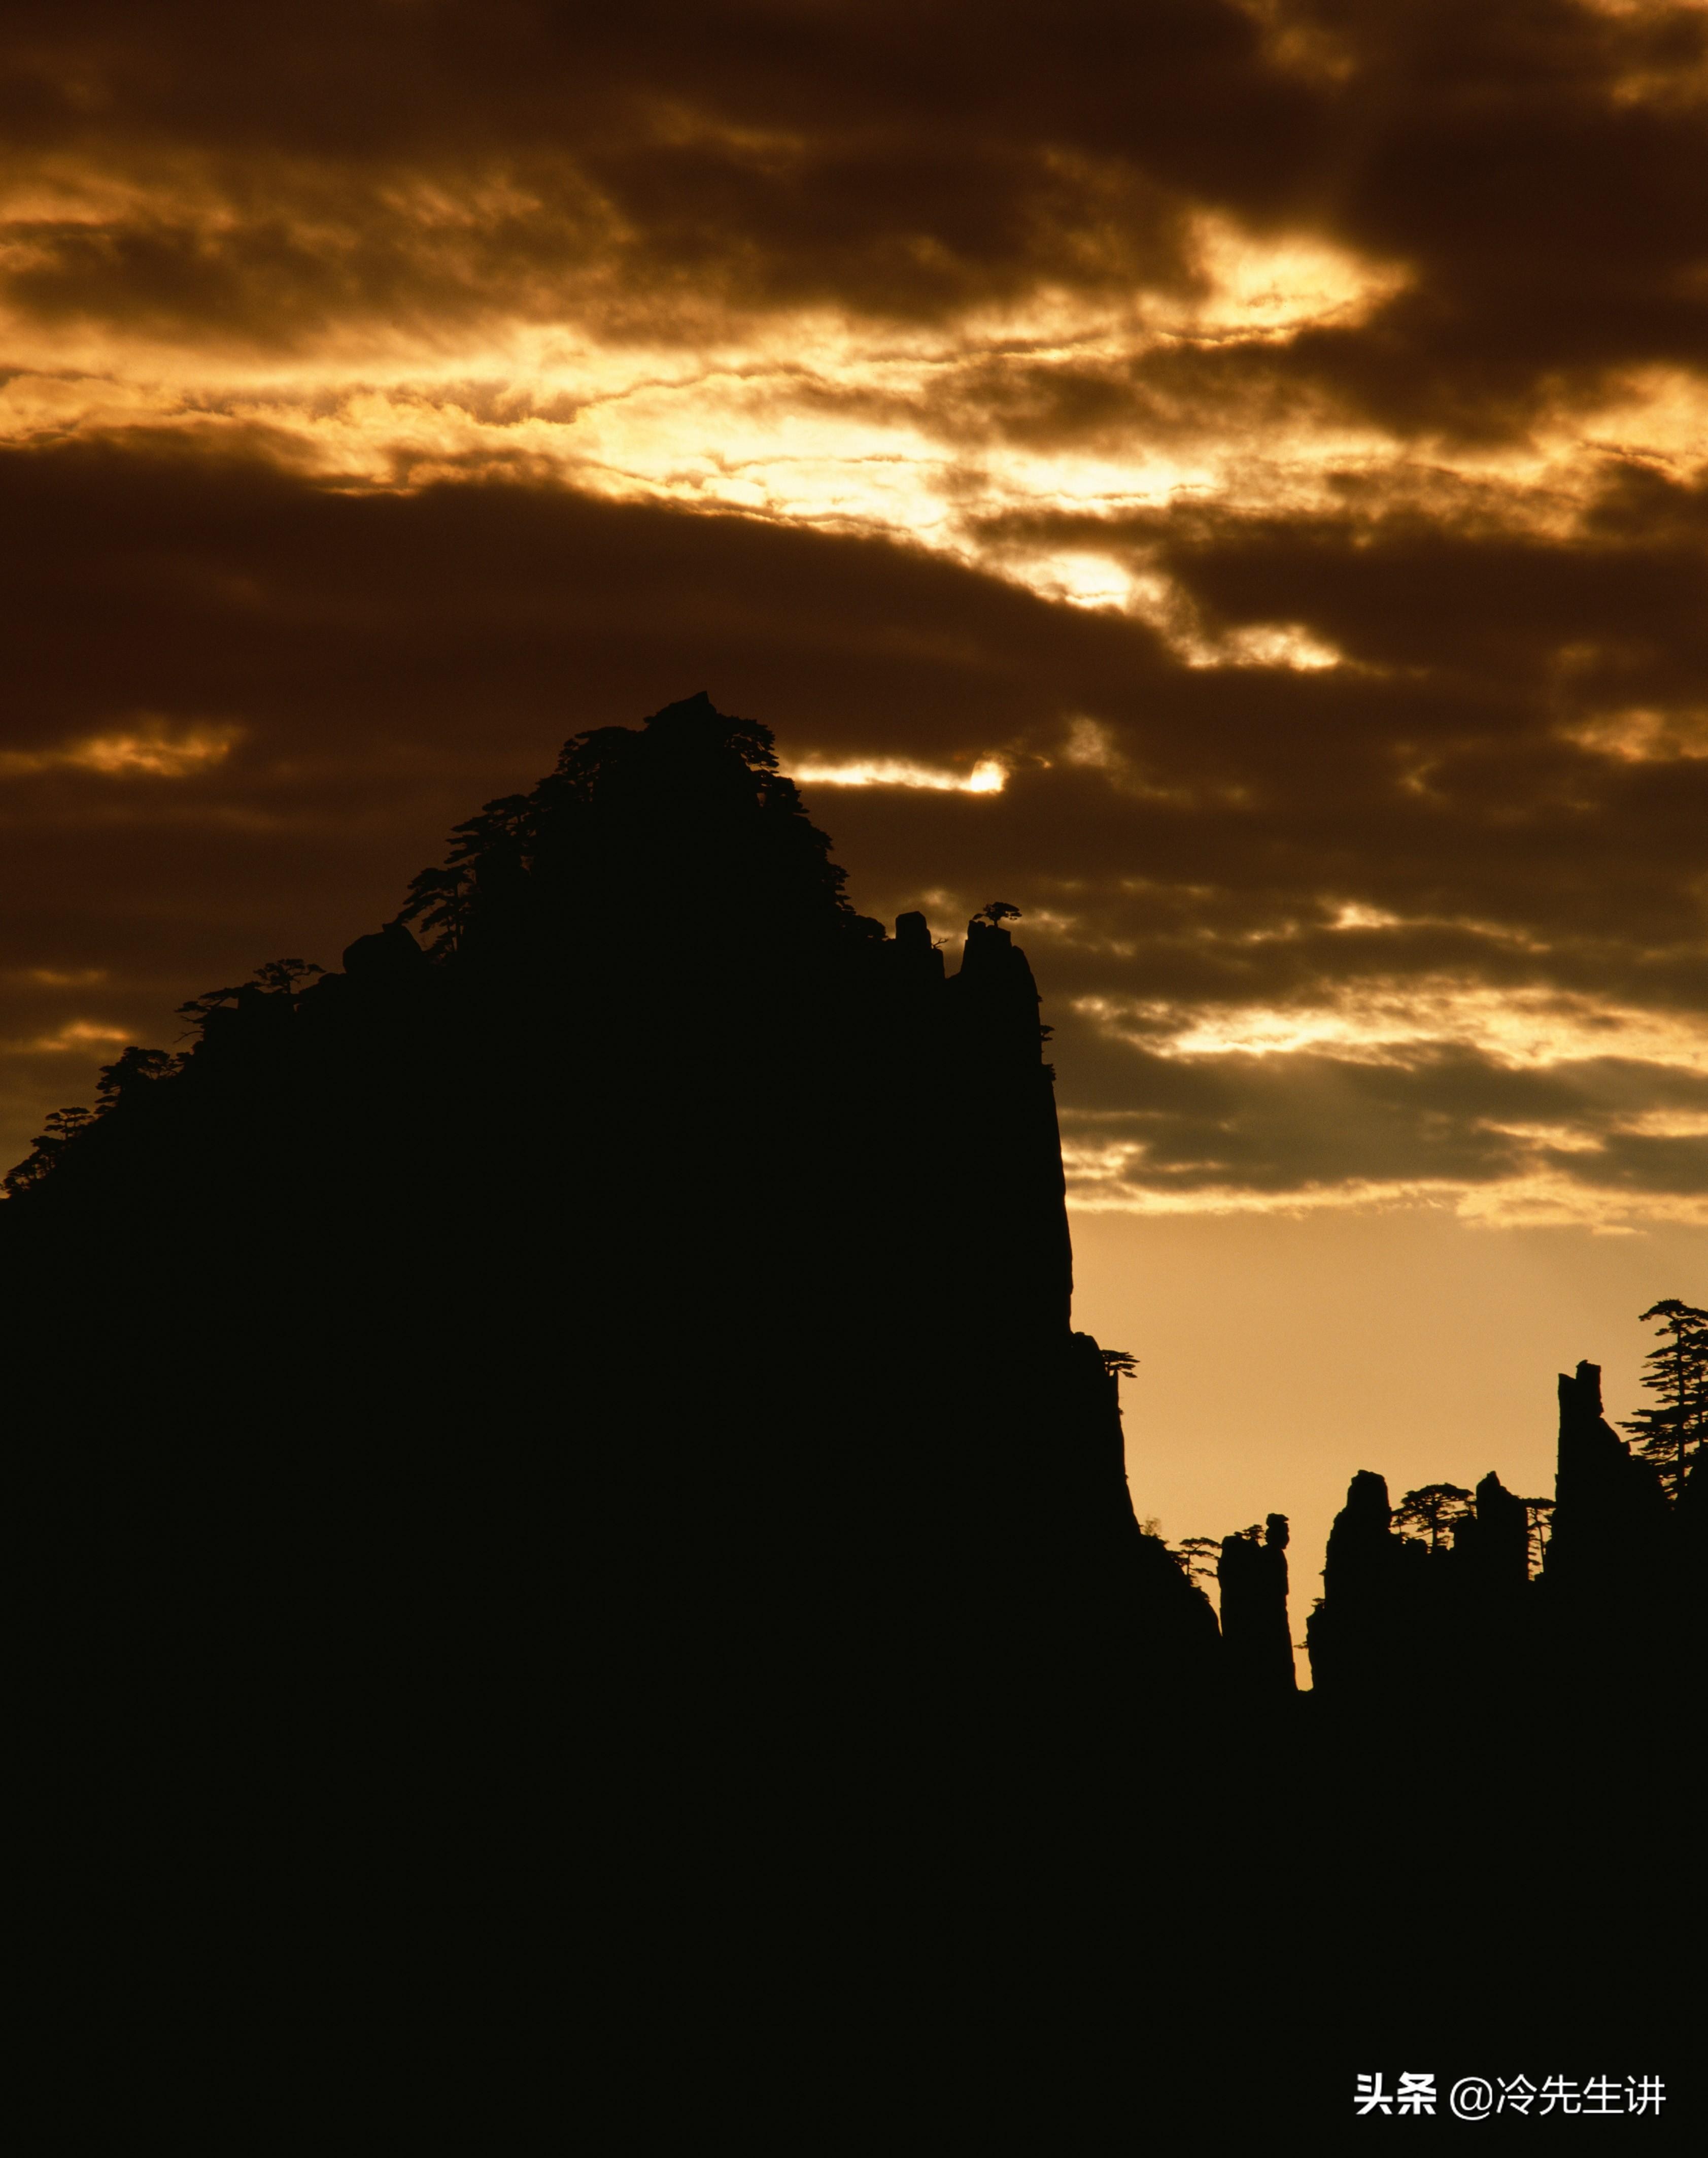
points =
(1362, 1636)
(1610, 1580)
(1483, 1605)
(1252, 1577)
(1611, 1517)
(1492, 1549)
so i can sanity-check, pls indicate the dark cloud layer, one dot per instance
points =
(1453, 1116)
(382, 663)
(379, 662)
(905, 159)
(1531, 173)
(1367, 852)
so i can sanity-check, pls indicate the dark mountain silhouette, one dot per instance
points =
(579, 1407)
(1616, 1603)
(663, 1254)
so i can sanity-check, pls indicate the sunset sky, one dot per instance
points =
(1229, 477)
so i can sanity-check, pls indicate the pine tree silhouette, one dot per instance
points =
(1670, 1435)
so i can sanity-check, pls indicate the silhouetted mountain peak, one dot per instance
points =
(682, 825)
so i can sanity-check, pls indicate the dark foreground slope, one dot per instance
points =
(566, 1435)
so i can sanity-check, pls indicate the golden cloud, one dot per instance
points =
(149, 749)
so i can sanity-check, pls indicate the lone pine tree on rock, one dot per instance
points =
(1670, 1434)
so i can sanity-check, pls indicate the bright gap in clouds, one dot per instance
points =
(1382, 1022)
(811, 418)
(986, 777)
(942, 439)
